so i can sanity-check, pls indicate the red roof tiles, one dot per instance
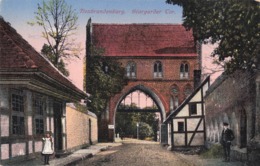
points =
(17, 53)
(143, 39)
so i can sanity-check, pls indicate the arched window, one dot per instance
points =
(187, 90)
(131, 70)
(174, 101)
(157, 70)
(184, 71)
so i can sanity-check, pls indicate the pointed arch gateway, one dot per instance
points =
(149, 92)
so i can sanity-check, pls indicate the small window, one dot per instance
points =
(184, 71)
(180, 126)
(193, 108)
(131, 70)
(157, 70)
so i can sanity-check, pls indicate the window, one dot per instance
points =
(38, 108)
(131, 70)
(105, 68)
(157, 70)
(180, 126)
(193, 108)
(17, 101)
(184, 71)
(39, 126)
(18, 125)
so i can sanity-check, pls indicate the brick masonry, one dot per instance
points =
(78, 128)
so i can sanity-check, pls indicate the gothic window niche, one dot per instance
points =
(184, 70)
(187, 90)
(131, 70)
(174, 102)
(157, 70)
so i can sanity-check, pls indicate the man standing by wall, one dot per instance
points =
(226, 138)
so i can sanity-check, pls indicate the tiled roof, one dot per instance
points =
(143, 39)
(16, 53)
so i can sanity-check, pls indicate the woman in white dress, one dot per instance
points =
(47, 148)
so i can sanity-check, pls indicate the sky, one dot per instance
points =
(19, 12)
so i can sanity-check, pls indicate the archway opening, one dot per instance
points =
(138, 115)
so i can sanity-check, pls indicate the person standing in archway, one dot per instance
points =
(226, 137)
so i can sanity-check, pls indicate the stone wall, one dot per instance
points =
(79, 128)
(232, 99)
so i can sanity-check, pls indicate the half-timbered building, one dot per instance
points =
(186, 125)
(33, 96)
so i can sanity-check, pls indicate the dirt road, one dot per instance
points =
(136, 153)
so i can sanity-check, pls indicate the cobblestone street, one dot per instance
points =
(136, 153)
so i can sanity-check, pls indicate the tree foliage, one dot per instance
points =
(46, 51)
(126, 124)
(233, 24)
(105, 78)
(59, 22)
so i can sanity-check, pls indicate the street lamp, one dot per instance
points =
(137, 128)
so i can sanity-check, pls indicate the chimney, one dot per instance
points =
(197, 78)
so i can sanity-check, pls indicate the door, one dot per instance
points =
(57, 110)
(90, 131)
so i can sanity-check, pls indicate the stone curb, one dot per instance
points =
(80, 156)
(73, 159)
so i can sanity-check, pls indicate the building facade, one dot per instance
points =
(159, 60)
(33, 97)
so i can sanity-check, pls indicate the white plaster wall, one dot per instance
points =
(30, 132)
(38, 146)
(196, 97)
(18, 149)
(184, 111)
(29, 109)
(179, 139)
(4, 125)
(4, 151)
(30, 147)
(192, 124)
(197, 140)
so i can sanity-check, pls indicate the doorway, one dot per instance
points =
(57, 110)
(90, 131)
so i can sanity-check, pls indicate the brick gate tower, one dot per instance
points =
(160, 60)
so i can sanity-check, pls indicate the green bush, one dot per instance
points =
(145, 130)
(216, 151)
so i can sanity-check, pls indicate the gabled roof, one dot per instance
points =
(144, 40)
(16, 54)
(187, 100)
